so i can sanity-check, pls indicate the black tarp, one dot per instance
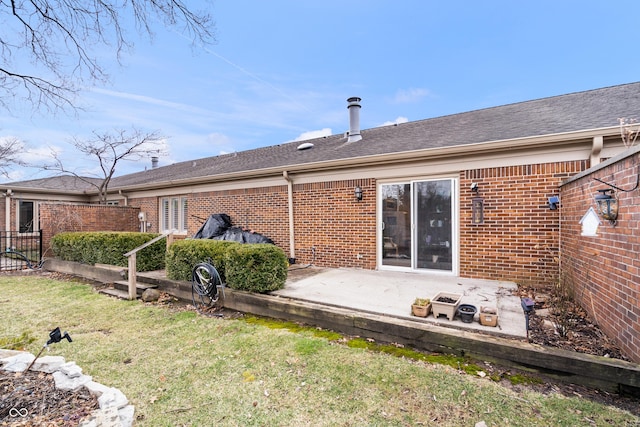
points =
(219, 227)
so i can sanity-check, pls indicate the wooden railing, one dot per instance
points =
(131, 255)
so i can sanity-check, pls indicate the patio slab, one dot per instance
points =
(390, 293)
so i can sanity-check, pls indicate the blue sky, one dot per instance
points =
(282, 70)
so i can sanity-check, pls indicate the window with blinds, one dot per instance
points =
(173, 214)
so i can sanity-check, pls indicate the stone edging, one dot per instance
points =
(114, 410)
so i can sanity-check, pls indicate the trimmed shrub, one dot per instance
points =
(183, 255)
(259, 267)
(109, 248)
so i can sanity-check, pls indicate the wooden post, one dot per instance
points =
(133, 294)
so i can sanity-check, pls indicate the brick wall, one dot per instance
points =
(60, 217)
(327, 217)
(341, 229)
(148, 205)
(263, 210)
(604, 271)
(518, 240)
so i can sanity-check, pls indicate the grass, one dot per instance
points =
(182, 369)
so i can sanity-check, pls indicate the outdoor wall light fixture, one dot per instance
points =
(477, 211)
(607, 205)
(554, 201)
(358, 193)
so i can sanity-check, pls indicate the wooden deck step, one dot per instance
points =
(115, 293)
(123, 285)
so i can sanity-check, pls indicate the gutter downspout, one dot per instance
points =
(596, 148)
(125, 197)
(292, 245)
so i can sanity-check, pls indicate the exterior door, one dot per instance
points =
(434, 224)
(396, 244)
(418, 225)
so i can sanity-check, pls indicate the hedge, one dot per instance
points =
(109, 248)
(183, 255)
(257, 267)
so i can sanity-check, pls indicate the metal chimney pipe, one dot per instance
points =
(154, 162)
(354, 119)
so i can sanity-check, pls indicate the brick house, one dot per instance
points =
(466, 194)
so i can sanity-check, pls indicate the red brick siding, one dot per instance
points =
(59, 217)
(341, 229)
(518, 240)
(604, 271)
(263, 210)
(327, 217)
(148, 205)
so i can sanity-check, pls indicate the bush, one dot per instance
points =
(257, 267)
(109, 248)
(183, 255)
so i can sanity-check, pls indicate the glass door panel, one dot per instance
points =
(434, 220)
(396, 225)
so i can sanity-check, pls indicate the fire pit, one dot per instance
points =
(445, 303)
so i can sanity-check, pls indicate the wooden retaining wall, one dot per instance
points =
(611, 375)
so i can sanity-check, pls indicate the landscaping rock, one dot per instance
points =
(150, 295)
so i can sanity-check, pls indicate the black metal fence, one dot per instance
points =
(20, 250)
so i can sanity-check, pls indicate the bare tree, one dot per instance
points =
(629, 131)
(110, 149)
(10, 149)
(49, 48)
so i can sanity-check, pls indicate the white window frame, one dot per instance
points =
(455, 218)
(173, 214)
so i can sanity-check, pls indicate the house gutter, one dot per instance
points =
(125, 197)
(292, 245)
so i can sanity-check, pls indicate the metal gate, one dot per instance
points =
(19, 251)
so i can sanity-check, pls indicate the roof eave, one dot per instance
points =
(430, 153)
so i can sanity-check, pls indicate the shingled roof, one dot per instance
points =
(589, 110)
(592, 109)
(60, 183)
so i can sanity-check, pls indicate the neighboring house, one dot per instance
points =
(465, 194)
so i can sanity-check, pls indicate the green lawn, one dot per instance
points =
(181, 369)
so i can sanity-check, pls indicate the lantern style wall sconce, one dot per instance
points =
(358, 193)
(607, 205)
(477, 211)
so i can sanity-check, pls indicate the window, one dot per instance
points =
(173, 214)
(26, 216)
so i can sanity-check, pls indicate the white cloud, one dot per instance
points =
(146, 100)
(397, 121)
(406, 96)
(41, 154)
(312, 134)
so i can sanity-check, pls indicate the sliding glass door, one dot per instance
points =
(418, 225)
(396, 225)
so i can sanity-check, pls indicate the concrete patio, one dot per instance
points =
(391, 293)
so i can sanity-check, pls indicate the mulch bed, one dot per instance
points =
(32, 399)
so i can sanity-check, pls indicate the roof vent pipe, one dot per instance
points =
(354, 119)
(154, 162)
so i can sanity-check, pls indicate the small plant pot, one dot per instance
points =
(445, 303)
(467, 312)
(420, 310)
